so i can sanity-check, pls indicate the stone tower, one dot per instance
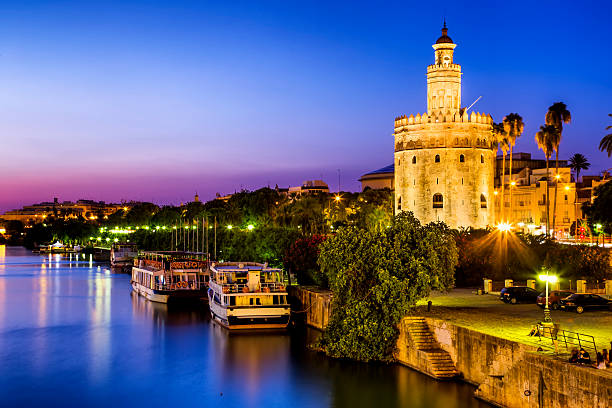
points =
(445, 158)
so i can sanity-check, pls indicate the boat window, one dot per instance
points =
(232, 300)
(251, 301)
(258, 301)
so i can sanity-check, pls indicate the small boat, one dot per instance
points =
(122, 256)
(248, 295)
(168, 276)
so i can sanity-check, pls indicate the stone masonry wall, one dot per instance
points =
(514, 375)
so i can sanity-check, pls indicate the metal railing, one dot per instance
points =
(265, 287)
(569, 338)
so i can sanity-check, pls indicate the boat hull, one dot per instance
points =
(250, 318)
(167, 296)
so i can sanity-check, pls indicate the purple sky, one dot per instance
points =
(156, 100)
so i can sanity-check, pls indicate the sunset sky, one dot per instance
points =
(157, 100)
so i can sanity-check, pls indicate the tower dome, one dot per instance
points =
(444, 39)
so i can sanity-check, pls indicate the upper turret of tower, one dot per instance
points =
(444, 78)
(444, 38)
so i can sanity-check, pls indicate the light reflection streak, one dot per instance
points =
(99, 288)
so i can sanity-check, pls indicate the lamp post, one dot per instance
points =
(552, 279)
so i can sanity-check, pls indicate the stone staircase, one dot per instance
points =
(439, 363)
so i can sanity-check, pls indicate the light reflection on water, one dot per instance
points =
(72, 334)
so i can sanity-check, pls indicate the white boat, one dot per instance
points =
(248, 295)
(170, 276)
(122, 255)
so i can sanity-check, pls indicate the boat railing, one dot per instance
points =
(268, 287)
(178, 286)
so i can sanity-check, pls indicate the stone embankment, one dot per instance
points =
(508, 373)
(312, 305)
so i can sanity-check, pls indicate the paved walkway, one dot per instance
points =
(487, 314)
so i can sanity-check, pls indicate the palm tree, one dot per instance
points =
(513, 126)
(577, 163)
(545, 138)
(499, 135)
(556, 116)
(606, 141)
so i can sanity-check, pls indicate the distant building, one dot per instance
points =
(85, 209)
(528, 190)
(378, 179)
(310, 187)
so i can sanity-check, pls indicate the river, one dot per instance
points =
(72, 334)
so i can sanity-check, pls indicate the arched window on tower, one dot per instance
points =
(399, 204)
(413, 159)
(438, 201)
(437, 159)
(483, 201)
(461, 158)
(481, 158)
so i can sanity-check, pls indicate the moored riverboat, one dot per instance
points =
(248, 295)
(122, 256)
(170, 276)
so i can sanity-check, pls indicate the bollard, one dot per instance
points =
(531, 283)
(580, 286)
(429, 305)
(555, 286)
(608, 287)
(488, 286)
(508, 283)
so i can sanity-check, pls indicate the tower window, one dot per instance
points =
(461, 180)
(436, 180)
(437, 159)
(481, 158)
(438, 201)
(413, 159)
(399, 203)
(483, 201)
(461, 158)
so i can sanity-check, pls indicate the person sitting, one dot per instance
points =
(535, 331)
(606, 357)
(601, 364)
(584, 357)
(574, 357)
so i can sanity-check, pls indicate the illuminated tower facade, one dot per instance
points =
(445, 158)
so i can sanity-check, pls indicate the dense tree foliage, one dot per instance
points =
(301, 258)
(499, 256)
(600, 211)
(377, 275)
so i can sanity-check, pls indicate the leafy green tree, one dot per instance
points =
(301, 258)
(600, 210)
(141, 214)
(376, 277)
(578, 163)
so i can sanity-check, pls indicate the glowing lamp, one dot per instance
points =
(229, 227)
(250, 227)
(567, 188)
(548, 278)
(337, 198)
(558, 176)
(504, 226)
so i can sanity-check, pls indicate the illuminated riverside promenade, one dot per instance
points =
(71, 334)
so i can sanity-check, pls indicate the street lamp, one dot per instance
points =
(552, 279)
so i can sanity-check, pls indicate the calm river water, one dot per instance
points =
(72, 334)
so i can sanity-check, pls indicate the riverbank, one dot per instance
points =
(509, 373)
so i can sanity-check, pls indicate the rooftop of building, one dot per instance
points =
(444, 39)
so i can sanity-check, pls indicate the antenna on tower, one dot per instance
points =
(464, 110)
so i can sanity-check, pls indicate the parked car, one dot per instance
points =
(516, 294)
(585, 301)
(554, 297)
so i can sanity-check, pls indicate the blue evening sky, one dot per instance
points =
(156, 100)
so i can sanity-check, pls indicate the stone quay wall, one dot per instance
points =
(313, 305)
(515, 375)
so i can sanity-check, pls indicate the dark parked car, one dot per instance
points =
(516, 294)
(585, 301)
(554, 297)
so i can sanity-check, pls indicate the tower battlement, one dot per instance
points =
(448, 67)
(474, 117)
